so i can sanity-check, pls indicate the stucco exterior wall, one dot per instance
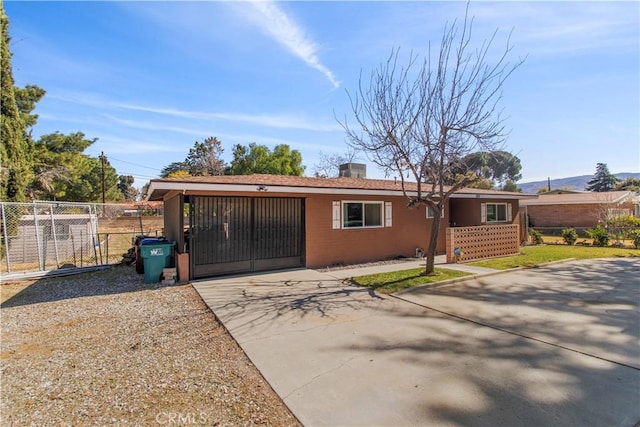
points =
(466, 212)
(326, 246)
(173, 221)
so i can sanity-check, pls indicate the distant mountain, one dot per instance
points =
(578, 183)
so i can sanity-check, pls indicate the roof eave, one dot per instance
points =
(157, 190)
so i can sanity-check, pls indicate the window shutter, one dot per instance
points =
(483, 213)
(509, 213)
(336, 215)
(387, 214)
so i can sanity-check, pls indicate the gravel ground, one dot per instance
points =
(102, 348)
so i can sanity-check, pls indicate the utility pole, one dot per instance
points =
(103, 189)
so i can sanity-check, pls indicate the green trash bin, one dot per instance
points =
(155, 256)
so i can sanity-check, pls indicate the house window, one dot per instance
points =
(430, 213)
(495, 212)
(361, 214)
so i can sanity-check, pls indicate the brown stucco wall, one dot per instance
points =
(173, 221)
(466, 212)
(325, 246)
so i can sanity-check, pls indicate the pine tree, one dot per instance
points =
(603, 180)
(15, 171)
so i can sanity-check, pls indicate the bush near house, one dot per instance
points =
(536, 236)
(619, 227)
(634, 236)
(600, 235)
(569, 236)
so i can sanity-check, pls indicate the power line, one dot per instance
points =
(135, 175)
(135, 164)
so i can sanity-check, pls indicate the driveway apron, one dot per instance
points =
(342, 355)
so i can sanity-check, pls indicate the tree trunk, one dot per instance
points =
(433, 243)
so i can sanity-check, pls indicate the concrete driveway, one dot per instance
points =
(558, 345)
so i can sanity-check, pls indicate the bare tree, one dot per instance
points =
(328, 165)
(420, 120)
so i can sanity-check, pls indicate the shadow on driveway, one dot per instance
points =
(339, 355)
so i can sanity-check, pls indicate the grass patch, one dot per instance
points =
(395, 281)
(535, 255)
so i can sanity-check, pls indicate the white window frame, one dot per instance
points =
(388, 214)
(364, 202)
(430, 213)
(484, 216)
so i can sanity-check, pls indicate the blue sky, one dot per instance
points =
(148, 79)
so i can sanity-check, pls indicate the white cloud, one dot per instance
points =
(287, 32)
(274, 121)
(279, 121)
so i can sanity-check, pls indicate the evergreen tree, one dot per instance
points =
(125, 185)
(603, 180)
(15, 168)
(77, 177)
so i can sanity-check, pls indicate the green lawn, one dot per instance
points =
(534, 255)
(395, 281)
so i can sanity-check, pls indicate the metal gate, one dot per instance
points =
(242, 234)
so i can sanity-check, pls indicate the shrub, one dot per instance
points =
(569, 236)
(620, 226)
(599, 234)
(536, 236)
(624, 221)
(634, 236)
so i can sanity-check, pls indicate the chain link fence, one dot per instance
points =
(44, 236)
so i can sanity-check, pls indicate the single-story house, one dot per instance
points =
(258, 222)
(580, 209)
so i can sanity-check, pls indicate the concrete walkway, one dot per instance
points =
(550, 346)
(440, 262)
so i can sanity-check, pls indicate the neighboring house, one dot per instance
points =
(144, 208)
(261, 222)
(582, 210)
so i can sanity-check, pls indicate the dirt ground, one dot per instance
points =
(104, 348)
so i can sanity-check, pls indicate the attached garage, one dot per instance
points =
(245, 234)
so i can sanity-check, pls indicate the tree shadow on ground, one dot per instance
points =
(593, 308)
(504, 355)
